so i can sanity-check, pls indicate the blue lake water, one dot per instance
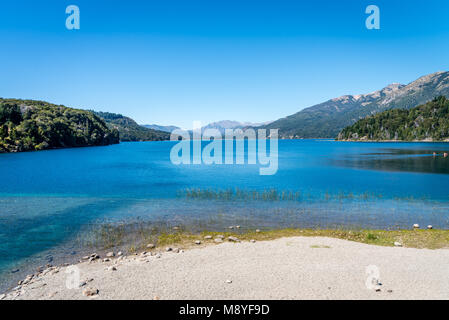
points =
(48, 198)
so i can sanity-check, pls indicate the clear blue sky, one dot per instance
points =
(172, 62)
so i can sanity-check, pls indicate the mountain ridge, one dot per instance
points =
(327, 119)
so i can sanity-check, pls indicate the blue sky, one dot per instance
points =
(172, 62)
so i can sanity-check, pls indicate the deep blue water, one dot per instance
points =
(48, 197)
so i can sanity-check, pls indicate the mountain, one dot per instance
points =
(129, 130)
(428, 122)
(327, 119)
(160, 128)
(27, 125)
(230, 124)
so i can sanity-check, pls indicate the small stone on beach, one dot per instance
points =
(218, 240)
(233, 239)
(119, 254)
(112, 268)
(429, 227)
(151, 246)
(197, 242)
(252, 241)
(257, 230)
(110, 254)
(2, 296)
(89, 292)
(397, 244)
(228, 281)
(416, 226)
(168, 249)
(208, 237)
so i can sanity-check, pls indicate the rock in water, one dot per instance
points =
(429, 227)
(416, 226)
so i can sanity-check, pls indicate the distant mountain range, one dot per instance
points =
(160, 128)
(230, 124)
(327, 119)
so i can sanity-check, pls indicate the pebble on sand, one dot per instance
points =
(208, 237)
(151, 246)
(220, 236)
(429, 226)
(2, 296)
(110, 254)
(233, 239)
(416, 226)
(252, 241)
(228, 281)
(168, 249)
(112, 268)
(197, 242)
(119, 254)
(397, 244)
(257, 230)
(89, 292)
(218, 240)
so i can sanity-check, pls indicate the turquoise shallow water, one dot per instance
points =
(48, 198)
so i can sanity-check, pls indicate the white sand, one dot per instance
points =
(288, 268)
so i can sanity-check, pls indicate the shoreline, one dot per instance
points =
(51, 282)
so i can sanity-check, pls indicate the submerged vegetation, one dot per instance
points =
(236, 194)
(27, 125)
(428, 122)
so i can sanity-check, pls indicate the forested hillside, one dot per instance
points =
(428, 122)
(27, 125)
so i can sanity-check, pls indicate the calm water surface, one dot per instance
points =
(48, 198)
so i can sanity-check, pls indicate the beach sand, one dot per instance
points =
(287, 268)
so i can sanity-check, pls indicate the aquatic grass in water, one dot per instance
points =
(281, 195)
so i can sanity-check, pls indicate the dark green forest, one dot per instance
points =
(130, 130)
(426, 122)
(27, 125)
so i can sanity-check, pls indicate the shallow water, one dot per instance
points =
(48, 198)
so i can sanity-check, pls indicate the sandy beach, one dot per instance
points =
(287, 268)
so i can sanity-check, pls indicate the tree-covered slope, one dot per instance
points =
(27, 125)
(129, 130)
(429, 122)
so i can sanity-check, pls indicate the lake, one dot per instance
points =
(51, 200)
